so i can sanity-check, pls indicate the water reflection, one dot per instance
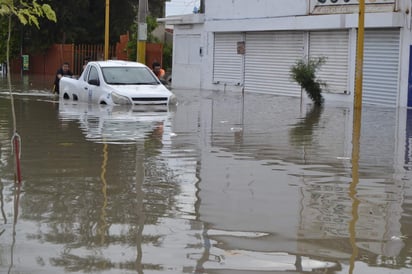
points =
(15, 218)
(223, 184)
(28, 84)
(302, 132)
(114, 124)
(323, 180)
(408, 150)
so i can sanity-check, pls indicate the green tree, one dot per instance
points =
(78, 21)
(157, 8)
(167, 56)
(82, 22)
(14, 43)
(27, 13)
(132, 45)
(23, 13)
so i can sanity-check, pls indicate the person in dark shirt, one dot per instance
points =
(63, 71)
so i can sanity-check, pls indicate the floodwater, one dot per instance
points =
(223, 183)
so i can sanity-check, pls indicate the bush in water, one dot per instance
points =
(304, 73)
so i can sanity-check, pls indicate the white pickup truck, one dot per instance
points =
(116, 82)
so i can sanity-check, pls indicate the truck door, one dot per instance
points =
(92, 89)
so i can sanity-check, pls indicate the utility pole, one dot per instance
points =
(142, 31)
(357, 118)
(359, 56)
(106, 31)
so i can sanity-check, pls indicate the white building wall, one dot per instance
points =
(289, 15)
(187, 57)
(241, 9)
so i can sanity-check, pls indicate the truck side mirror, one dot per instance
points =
(94, 82)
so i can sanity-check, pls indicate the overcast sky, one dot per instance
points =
(179, 7)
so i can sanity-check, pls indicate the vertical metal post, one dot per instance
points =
(357, 118)
(359, 56)
(142, 31)
(106, 32)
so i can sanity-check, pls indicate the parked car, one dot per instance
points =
(115, 82)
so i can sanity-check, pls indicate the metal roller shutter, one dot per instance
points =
(268, 59)
(228, 64)
(381, 67)
(334, 45)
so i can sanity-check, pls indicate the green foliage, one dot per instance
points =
(151, 26)
(14, 43)
(27, 12)
(157, 8)
(5, 8)
(167, 56)
(304, 73)
(132, 44)
(76, 21)
(123, 14)
(83, 21)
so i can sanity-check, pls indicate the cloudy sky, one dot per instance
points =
(179, 7)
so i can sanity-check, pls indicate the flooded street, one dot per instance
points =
(220, 184)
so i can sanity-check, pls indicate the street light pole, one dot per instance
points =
(357, 119)
(142, 31)
(359, 59)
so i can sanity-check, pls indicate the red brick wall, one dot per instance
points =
(121, 48)
(46, 63)
(154, 52)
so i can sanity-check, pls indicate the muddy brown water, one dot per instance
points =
(223, 183)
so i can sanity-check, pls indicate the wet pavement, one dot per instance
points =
(223, 183)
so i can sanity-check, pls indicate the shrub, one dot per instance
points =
(304, 73)
(167, 56)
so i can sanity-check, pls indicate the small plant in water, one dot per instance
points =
(304, 73)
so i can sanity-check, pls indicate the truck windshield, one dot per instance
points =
(128, 76)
